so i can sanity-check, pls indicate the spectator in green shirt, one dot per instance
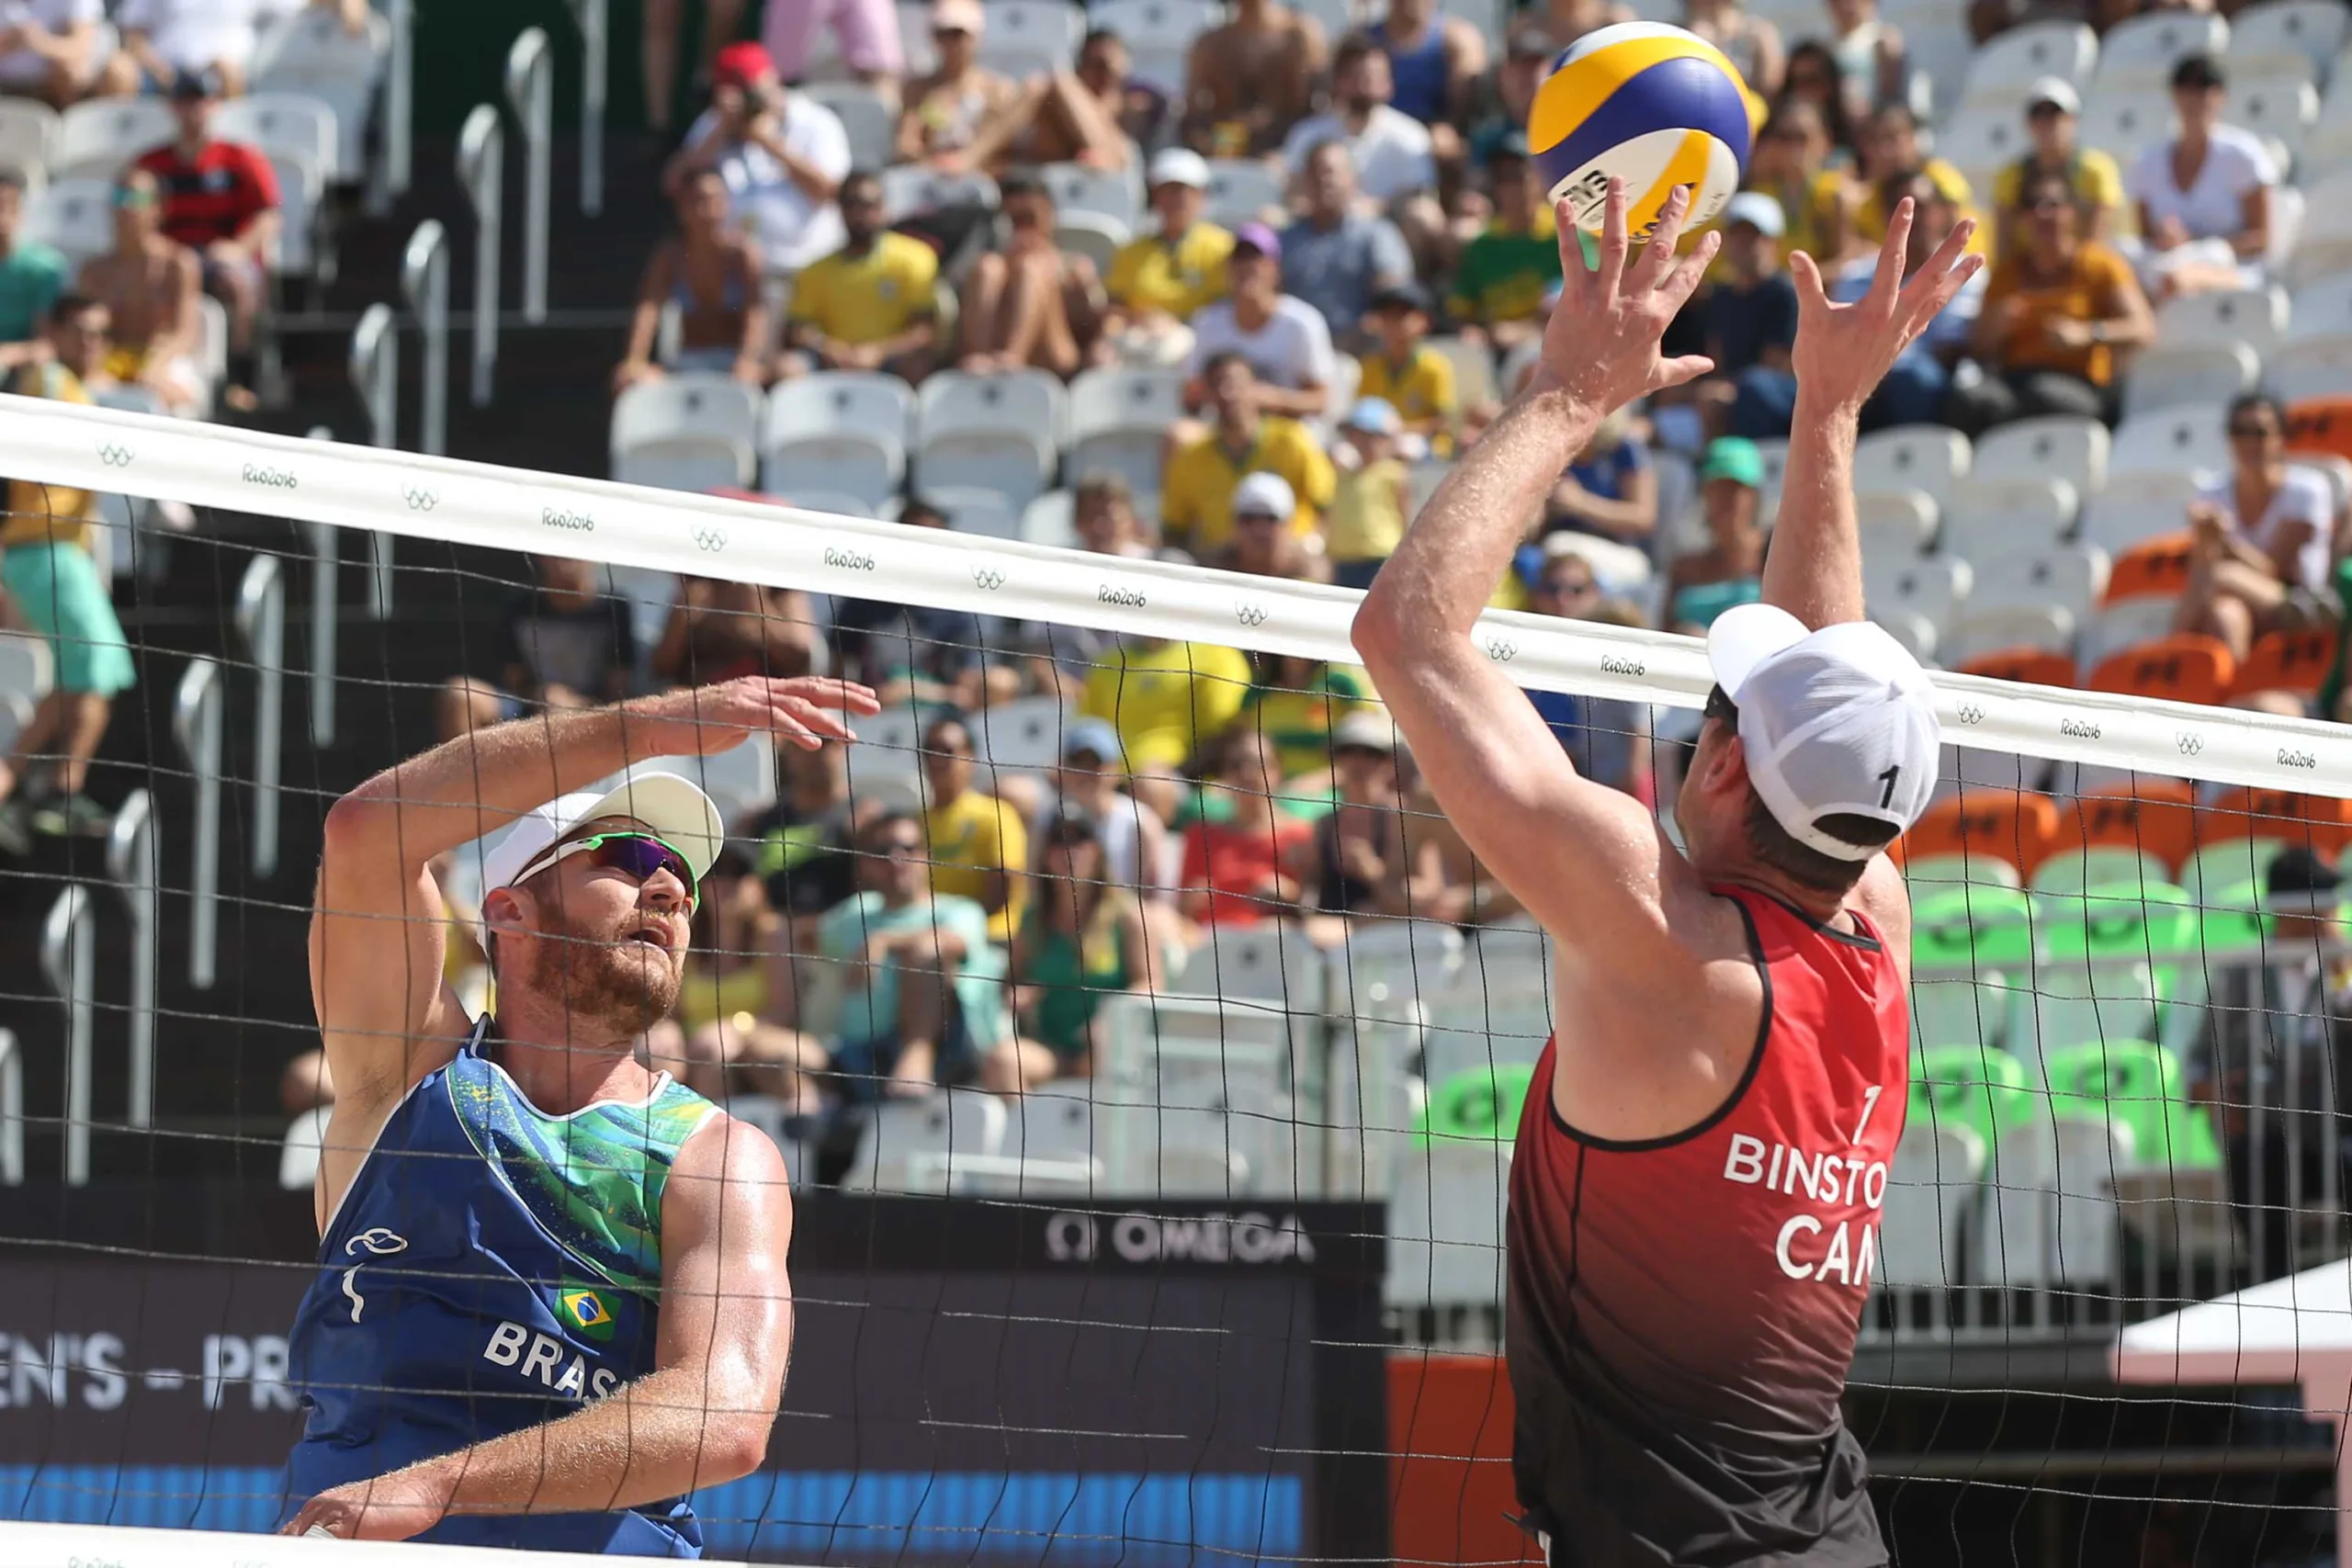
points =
(1504, 274)
(31, 278)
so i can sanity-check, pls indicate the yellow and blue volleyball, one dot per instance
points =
(1649, 103)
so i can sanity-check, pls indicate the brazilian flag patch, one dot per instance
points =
(584, 1310)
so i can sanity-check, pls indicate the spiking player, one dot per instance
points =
(1694, 1197)
(552, 1297)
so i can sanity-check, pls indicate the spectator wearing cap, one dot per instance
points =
(1373, 496)
(781, 155)
(872, 305)
(163, 40)
(2054, 120)
(943, 113)
(220, 199)
(1031, 305)
(1402, 370)
(1251, 79)
(1355, 863)
(1243, 854)
(1391, 150)
(1915, 386)
(2274, 1063)
(1751, 322)
(1297, 702)
(150, 285)
(1087, 936)
(1198, 484)
(1434, 63)
(1500, 283)
(1090, 780)
(1336, 257)
(979, 850)
(52, 49)
(1159, 280)
(1074, 116)
(711, 274)
(1263, 542)
(1703, 583)
(32, 275)
(2058, 310)
(2203, 195)
(1285, 340)
(867, 31)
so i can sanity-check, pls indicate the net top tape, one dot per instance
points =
(487, 504)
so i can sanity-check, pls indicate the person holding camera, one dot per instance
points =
(783, 155)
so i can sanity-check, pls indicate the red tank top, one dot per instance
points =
(1682, 1310)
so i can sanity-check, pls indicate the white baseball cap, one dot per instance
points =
(1757, 209)
(673, 809)
(1179, 166)
(1262, 494)
(1836, 721)
(2055, 91)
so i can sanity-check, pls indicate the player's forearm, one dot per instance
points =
(1815, 570)
(1457, 550)
(660, 1437)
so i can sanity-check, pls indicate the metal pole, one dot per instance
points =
(67, 959)
(595, 24)
(133, 862)
(424, 282)
(399, 96)
(376, 374)
(530, 92)
(326, 578)
(261, 621)
(12, 1111)
(482, 169)
(195, 723)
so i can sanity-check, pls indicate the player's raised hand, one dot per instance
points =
(1843, 352)
(1601, 345)
(387, 1508)
(806, 710)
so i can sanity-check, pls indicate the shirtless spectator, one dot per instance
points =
(220, 199)
(712, 275)
(1435, 61)
(782, 154)
(1067, 117)
(150, 284)
(1030, 304)
(49, 49)
(945, 112)
(163, 40)
(1252, 79)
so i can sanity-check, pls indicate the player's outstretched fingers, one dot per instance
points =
(1658, 256)
(1613, 243)
(1576, 273)
(1807, 275)
(1886, 280)
(1684, 281)
(1941, 274)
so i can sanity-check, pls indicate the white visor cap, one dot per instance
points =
(1839, 721)
(672, 809)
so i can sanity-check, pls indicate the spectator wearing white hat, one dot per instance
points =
(1161, 280)
(2054, 119)
(1373, 496)
(943, 112)
(1751, 322)
(1264, 545)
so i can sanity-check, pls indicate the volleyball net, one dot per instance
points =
(1197, 1255)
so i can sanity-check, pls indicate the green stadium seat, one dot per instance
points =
(1480, 1105)
(2119, 921)
(2141, 1086)
(1973, 1087)
(1971, 948)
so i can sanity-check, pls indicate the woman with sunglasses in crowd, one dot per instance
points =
(2264, 536)
(1086, 937)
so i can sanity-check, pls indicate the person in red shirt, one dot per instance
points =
(1244, 870)
(221, 200)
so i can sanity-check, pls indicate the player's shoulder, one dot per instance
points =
(725, 1158)
(1883, 897)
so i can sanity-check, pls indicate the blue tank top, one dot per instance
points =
(491, 1268)
(1419, 72)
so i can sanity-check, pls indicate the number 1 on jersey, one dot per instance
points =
(1870, 1103)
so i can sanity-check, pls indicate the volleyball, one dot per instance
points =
(1647, 103)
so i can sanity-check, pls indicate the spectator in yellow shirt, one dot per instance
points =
(1369, 510)
(1157, 280)
(2052, 116)
(1165, 699)
(978, 847)
(1890, 153)
(1196, 491)
(1407, 374)
(869, 306)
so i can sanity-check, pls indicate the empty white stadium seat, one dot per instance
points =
(2125, 623)
(2121, 121)
(292, 125)
(2004, 68)
(29, 136)
(2323, 306)
(1118, 423)
(1932, 587)
(2164, 376)
(1985, 514)
(1240, 189)
(1158, 35)
(1984, 139)
(2325, 246)
(2154, 503)
(1446, 1223)
(1914, 632)
(1050, 520)
(2281, 108)
(2059, 446)
(837, 430)
(913, 1145)
(976, 509)
(1899, 522)
(301, 187)
(2312, 29)
(75, 216)
(2314, 367)
(1922, 457)
(1097, 236)
(2253, 317)
(2172, 439)
(911, 188)
(312, 55)
(687, 432)
(1194, 1089)
(2069, 577)
(1023, 733)
(2051, 1218)
(866, 118)
(1025, 36)
(97, 136)
(1976, 633)
(2141, 51)
(1000, 432)
(1077, 188)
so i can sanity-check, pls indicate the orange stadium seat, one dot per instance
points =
(2321, 425)
(2153, 569)
(2186, 667)
(2155, 817)
(2322, 822)
(2286, 661)
(2016, 826)
(2038, 666)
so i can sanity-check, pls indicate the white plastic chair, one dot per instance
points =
(2176, 439)
(2069, 577)
(1978, 632)
(2281, 107)
(1261, 964)
(2255, 318)
(75, 216)
(2058, 447)
(2164, 376)
(2323, 306)
(1932, 1190)
(2118, 121)
(1050, 520)
(1932, 587)
(2051, 1219)
(2327, 146)
(865, 118)
(312, 55)
(293, 125)
(971, 509)
(1025, 36)
(2138, 506)
(2126, 624)
(688, 432)
(29, 138)
(97, 136)
(2004, 68)
(1984, 139)
(837, 430)
(1446, 1223)
(2313, 367)
(1989, 515)
(302, 186)
(911, 188)
(1923, 458)
(1025, 733)
(2140, 51)
(998, 432)
(913, 1146)
(1898, 521)
(26, 669)
(1077, 188)
(1097, 236)
(1240, 189)
(2313, 29)
(1118, 423)
(2325, 246)
(297, 1155)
